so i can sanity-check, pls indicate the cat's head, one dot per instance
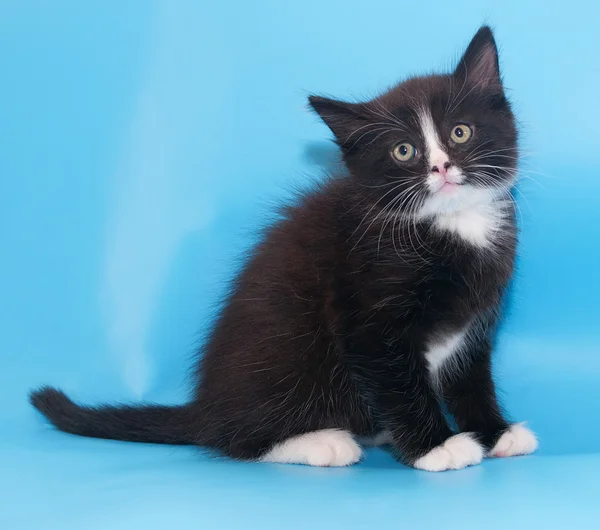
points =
(433, 144)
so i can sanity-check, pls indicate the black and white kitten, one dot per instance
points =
(372, 305)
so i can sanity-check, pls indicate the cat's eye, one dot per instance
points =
(404, 152)
(461, 133)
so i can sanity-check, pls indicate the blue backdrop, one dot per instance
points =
(141, 144)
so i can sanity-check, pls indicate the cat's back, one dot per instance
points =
(309, 239)
(284, 287)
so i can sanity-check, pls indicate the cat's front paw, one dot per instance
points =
(456, 452)
(516, 440)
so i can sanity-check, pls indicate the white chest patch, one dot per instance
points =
(443, 349)
(477, 225)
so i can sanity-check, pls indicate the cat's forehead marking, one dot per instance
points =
(436, 155)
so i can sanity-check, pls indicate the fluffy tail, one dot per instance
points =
(151, 424)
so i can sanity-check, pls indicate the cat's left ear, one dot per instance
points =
(344, 119)
(479, 65)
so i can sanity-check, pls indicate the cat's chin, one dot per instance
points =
(449, 187)
(453, 199)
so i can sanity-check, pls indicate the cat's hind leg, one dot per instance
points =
(324, 448)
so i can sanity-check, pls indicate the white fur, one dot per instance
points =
(456, 452)
(474, 214)
(435, 153)
(517, 440)
(328, 447)
(381, 438)
(476, 225)
(441, 349)
(437, 156)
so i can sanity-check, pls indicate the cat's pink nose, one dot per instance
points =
(442, 170)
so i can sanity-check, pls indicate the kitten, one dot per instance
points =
(372, 304)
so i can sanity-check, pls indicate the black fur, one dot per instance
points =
(327, 324)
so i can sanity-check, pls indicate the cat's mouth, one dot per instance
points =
(447, 181)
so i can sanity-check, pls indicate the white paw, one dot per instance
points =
(456, 452)
(517, 440)
(325, 448)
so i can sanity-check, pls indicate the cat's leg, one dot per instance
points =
(419, 432)
(470, 395)
(325, 448)
(396, 384)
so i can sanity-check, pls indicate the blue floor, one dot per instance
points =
(53, 480)
(141, 145)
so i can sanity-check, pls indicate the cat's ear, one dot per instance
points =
(479, 65)
(344, 119)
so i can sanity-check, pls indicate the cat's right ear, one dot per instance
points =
(344, 119)
(479, 65)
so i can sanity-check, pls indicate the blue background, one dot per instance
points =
(142, 143)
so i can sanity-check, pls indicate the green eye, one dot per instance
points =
(461, 133)
(404, 152)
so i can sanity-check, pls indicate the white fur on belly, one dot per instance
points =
(328, 447)
(443, 348)
(456, 452)
(517, 440)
